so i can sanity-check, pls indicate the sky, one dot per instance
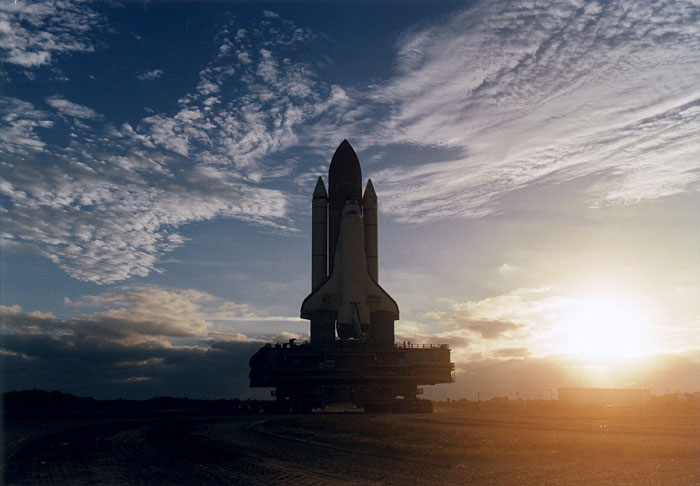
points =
(537, 166)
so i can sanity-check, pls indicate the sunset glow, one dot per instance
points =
(535, 165)
(605, 328)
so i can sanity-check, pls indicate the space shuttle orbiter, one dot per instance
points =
(346, 296)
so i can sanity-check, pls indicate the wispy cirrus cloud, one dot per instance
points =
(21, 122)
(109, 218)
(251, 101)
(150, 75)
(107, 206)
(512, 94)
(526, 91)
(71, 109)
(32, 34)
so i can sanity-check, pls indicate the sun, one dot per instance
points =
(605, 328)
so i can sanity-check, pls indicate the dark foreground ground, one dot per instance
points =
(507, 446)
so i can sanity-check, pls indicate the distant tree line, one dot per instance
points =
(667, 401)
(56, 404)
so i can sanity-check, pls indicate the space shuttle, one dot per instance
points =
(351, 357)
(346, 302)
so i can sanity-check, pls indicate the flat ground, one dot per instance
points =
(508, 446)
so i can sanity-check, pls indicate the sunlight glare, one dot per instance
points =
(606, 328)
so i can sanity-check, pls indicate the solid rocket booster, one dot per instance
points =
(369, 215)
(346, 296)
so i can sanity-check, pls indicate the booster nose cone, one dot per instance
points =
(344, 181)
(369, 192)
(320, 190)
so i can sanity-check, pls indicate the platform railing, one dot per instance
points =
(410, 345)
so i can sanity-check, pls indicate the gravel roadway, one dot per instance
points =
(344, 449)
(238, 450)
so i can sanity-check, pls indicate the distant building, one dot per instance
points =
(603, 396)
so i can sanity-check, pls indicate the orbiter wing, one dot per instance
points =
(329, 297)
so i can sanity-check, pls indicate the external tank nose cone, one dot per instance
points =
(345, 165)
(344, 148)
(344, 182)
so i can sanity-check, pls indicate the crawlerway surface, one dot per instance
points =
(455, 447)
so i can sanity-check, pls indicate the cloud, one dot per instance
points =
(500, 326)
(488, 329)
(602, 327)
(138, 342)
(270, 97)
(20, 124)
(134, 316)
(97, 355)
(523, 92)
(508, 269)
(514, 325)
(515, 309)
(512, 353)
(71, 109)
(90, 367)
(109, 218)
(150, 75)
(506, 94)
(107, 206)
(180, 309)
(33, 33)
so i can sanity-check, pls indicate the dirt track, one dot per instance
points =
(164, 452)
(443, 448)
